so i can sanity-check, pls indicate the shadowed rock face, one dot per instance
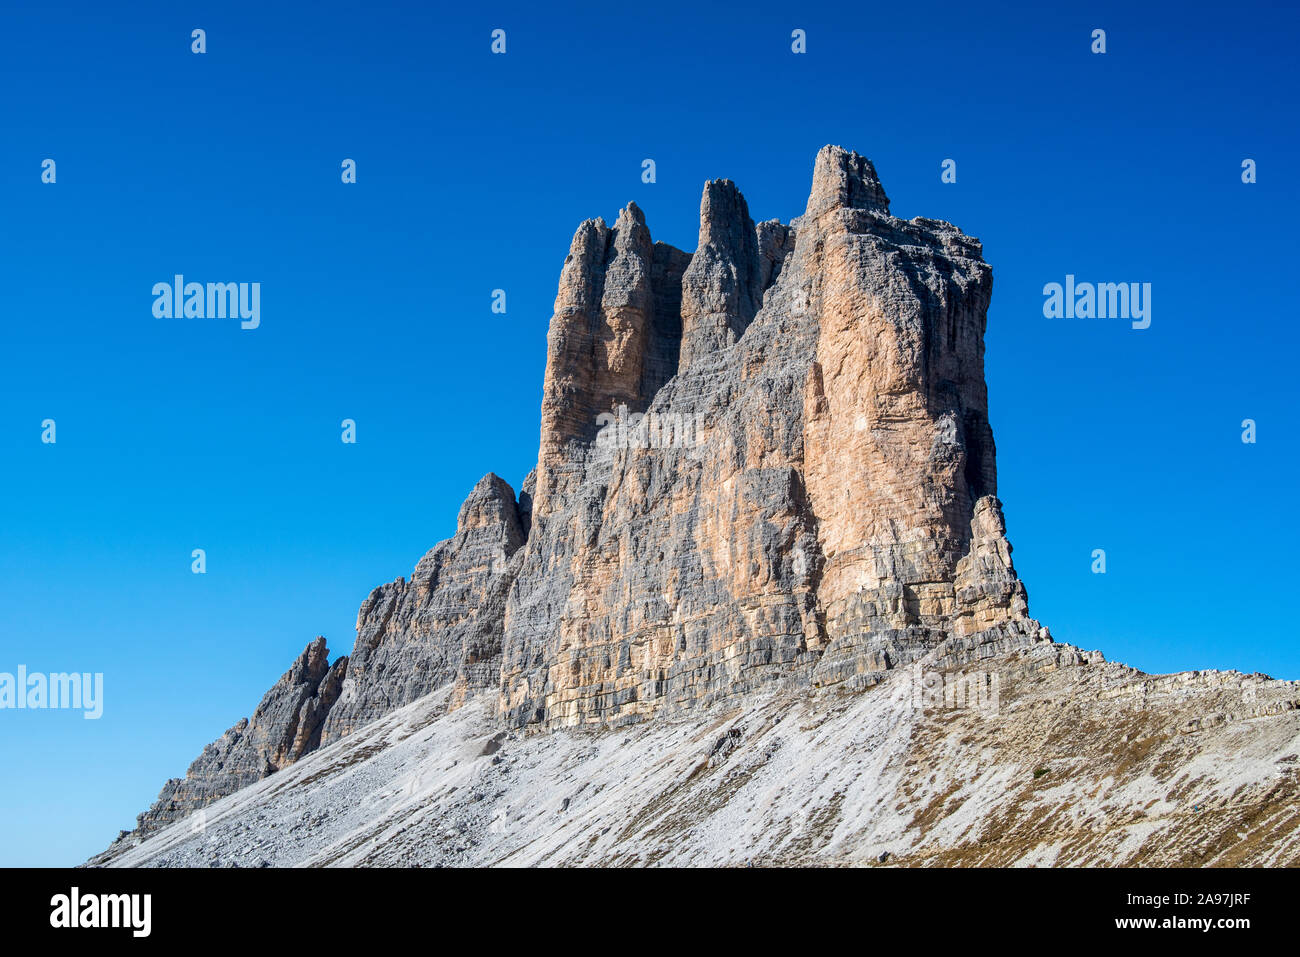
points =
(441, 627)
(809, 500)
(286, 725)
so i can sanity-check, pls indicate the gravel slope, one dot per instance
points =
(1082, 762)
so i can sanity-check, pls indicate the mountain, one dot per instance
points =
(755, 602)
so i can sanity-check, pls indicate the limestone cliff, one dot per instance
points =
(834, 517)
(286, 725)
(766, 464)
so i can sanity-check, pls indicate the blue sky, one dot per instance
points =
(473, 171)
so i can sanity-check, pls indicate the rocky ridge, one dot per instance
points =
(286, 725)
(765, 473)
(1082, 762)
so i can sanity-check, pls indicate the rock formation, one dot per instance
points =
(286, 725)
(1076, 761)
(800, 488)
(837, 516)
(764, 468)
(441, 627)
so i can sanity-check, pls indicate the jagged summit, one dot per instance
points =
(721, 291)
(765, 468)
(844, 180)
(492, 506)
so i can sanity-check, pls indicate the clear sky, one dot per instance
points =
(473, 170)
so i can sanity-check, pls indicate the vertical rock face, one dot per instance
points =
(836, 516)
(613, 341)
(774, 243)
(721, 289)
(799, 488)
(285, 726)
(899, 451)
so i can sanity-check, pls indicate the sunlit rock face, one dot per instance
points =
(832, 516)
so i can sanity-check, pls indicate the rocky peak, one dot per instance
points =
(721, 289)
(286, 724)
(491, 507)
(844, 180)
(836, 517)
(775, 241)
(613, 340)
(817, 510)
(445, 624)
